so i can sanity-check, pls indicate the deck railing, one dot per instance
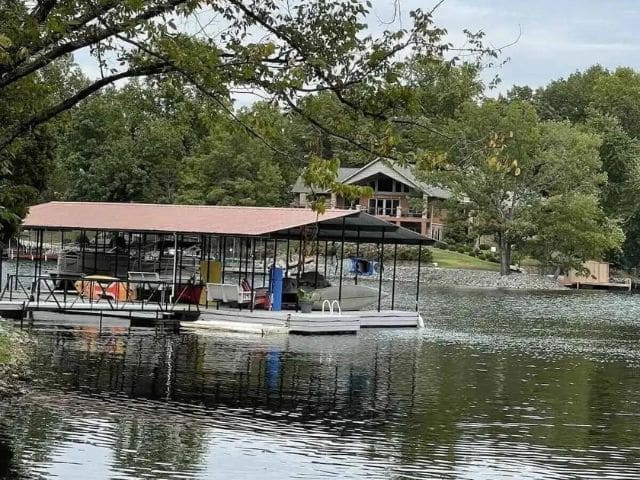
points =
(67, 291)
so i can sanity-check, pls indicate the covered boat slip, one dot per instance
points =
(257, 260)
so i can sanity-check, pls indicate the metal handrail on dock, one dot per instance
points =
(38, 291)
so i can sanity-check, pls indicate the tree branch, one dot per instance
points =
(73, 27)
(56, 52)
(41, 11)
(327, 130)
(47, 114)
(204, 90)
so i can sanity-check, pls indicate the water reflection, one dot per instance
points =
(492, 389)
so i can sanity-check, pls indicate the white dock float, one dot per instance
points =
(278, 322)
(390, 319)
(261, 322)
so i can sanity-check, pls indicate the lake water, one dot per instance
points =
(499, 385)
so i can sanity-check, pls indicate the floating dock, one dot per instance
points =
(600, 285)
(268, 322)
(225, 319)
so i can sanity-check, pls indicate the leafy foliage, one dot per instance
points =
(522, 165)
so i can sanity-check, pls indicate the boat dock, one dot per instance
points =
(595, 276)
(220, 259)
(261, 322)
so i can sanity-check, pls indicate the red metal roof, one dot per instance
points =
(139, 217)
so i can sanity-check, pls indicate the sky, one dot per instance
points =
(553, 38)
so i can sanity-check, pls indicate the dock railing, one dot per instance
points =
(65, 291)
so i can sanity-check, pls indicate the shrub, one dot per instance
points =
(484, 246)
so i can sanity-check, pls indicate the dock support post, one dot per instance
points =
(357, 254)
(393, 280)
(206, 296)
(39, 258)
(418, 277)
(95, 254)
(181, 258)
(315, 280)
(83, 238)
(223, 257)
(341, 260)
(240, 264)
(286, 267)
(300, 264)
(253, 273)
(129, 253)
(380, 270)
(175, 266)
(139, 252)
(17, 278)
(264, 263)
(275, 252)
(326, 251)
(117, 254)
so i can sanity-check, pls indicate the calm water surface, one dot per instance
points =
(499, 385)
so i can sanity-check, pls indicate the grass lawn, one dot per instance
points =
(450, 259)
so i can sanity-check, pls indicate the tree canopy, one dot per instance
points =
(516, 168)
(553, 172)
(215, 49)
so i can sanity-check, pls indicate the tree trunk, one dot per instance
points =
(505, 256)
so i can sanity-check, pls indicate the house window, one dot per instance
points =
(372, 206)
(383, 206)
(436, 232)
(385, 184)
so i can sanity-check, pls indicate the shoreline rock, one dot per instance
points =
(488, 279)
(466, 278)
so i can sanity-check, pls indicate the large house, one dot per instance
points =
(398, 197)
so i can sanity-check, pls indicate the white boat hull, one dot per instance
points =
(352, 297)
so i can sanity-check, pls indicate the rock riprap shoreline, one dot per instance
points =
(453, 277)
(445, 277)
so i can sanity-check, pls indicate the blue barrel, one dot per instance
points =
(276, 275)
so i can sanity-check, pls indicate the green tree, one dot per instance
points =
(618, 94)
(571, 229)
(620, 157)
(128, 144)
(570, 98)
(232, 167)
(513, 164)
(606, 102)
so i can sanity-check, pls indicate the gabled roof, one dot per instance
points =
(217, 220)
(351, 176)
(397, 172)
(343, 173)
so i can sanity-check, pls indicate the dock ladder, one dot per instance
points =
(332, 304)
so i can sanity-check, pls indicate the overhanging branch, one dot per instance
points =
(54, 53)
(49, 113)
